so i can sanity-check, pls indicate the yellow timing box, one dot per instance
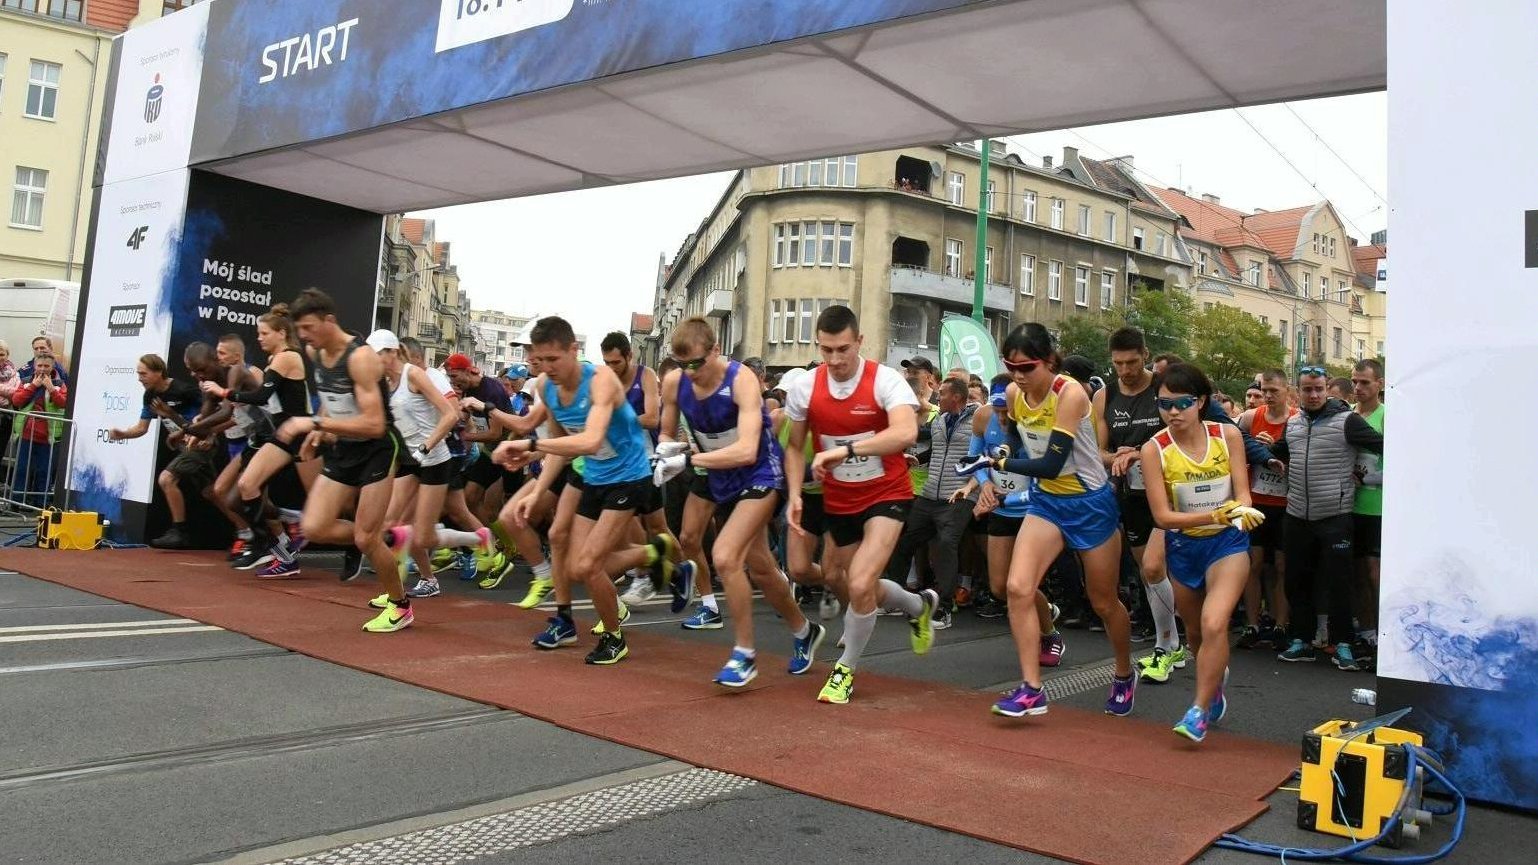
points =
(69, 530)
(1372, 766)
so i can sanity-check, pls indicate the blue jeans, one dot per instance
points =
(33, 482)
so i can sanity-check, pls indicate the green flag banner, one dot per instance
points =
(967, 344)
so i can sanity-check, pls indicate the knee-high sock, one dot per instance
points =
(1161, 601)
(857, 631)
(895, 597)
(451, 538)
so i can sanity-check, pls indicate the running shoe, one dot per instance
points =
(840, 686)
(1055, 611)
(352, 565)
(1345, 658)
(1219, 705)
(963, 597)
(829, 607)
(379, 602)
(467, 564)
(1248, 637)
(940, 620)
(255, 556)
(1022, 701)
(1123, 694)
(411, 569)
(486, 544)
(665, 547)
(427, 587)
(740, 669)
(1140, 633)
(237, 548)
(611, 649)
(296, 539)
(493, 579)
(390, 620)
(967, 466)
(1158, 666)
(641, 590)
(539, 589)
(487, 563)
(558, 632)
(923, 627)
(443, 559)
(1298, 651)
(1194, 725)
(624, 616)
(1052, 649)
(681, 584)
(992, 608)
(803, 653)
(704, 619)
(279, 570)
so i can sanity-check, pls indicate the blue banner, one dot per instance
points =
(285, 72)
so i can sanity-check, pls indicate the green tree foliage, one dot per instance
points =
(1165, 318)
(1089, 334)
(1231, 346)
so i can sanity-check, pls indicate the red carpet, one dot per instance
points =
(1071, 784)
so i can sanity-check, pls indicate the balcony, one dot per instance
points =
(428, 331)
(719, 303)
(386, 295)
(918, 282)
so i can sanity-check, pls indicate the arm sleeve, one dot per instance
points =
(1280, 451)
(261, 393)
(1360, 434)
(974, 445)
(1048, 465)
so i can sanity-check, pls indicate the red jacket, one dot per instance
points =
(37, 403)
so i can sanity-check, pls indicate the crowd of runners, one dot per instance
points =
(856, 486)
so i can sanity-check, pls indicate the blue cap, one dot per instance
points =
(517, 370)
(996, 394)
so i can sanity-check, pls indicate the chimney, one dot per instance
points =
(1070, 155)
(1210, 198)
(1046, 162)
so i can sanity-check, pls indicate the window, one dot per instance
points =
(793, 243)
(1084, 218)
(1254, 275)
(956, 187)
(808, 243)
(845, 243)
(1028, 275)
(1028, 205)
(1266, 321)
(2, 74)
(1081, 286)
(850, 167)
(806, 320)
(1107, 288)
(70, 9)
(1342, 291)
(774, 322)
(1319, 338)
(1159, 246)
(1308, 280)
(799, 174)
(987, 264)
(790, 322)
(43, 90)
(953, 249)
(779, 245)
(1054, 280)
(1201, 262)
(1057, 213)
(1335, 341)
(1110, 226)
(1207, 306)
(814, 173)
(1315, 245)
(1361, 349)
(1380, 347)
(1302, 339)
(993, 188)
(829, 243)
(27, 198)
(1284, 332)
(1137, 238)
(23, 5)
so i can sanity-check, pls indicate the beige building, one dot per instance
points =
(892, 234)
(53, 81)
(502, 338)
(419, 293)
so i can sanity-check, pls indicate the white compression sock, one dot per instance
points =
(710, 602)
(542, 570)
(1161, 601)
(857, 631)
(452, 538)
(895, 597)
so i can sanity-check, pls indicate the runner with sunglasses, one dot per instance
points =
(1203, 504)
(723, 402)
(1071, 504)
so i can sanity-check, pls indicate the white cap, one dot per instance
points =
(380, 340)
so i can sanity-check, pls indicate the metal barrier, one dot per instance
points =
(36, 455)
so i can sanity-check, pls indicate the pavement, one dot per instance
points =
(136, 737)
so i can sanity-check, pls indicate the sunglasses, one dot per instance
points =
(1312, 370)
(692, 365)
(1179, 403)
(1024, 366)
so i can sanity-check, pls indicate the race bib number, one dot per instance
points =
(1035, 441)
(1135, 476)
(715, 441)
(854, 470)
(605, 450)
(1194, 497)
(339, 405)
(1267, 481)
(1007, 483)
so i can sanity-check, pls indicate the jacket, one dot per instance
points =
(1320, 450)
(945, 451)
(30, 400)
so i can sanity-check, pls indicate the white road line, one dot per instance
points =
(87, 635)
(96, 626)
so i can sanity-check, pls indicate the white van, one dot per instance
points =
(29, 307)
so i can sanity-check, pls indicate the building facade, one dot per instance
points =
(502, 339)
(53, 80)
(418, 291)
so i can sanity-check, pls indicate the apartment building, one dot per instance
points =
(502, 338)
(419, 293)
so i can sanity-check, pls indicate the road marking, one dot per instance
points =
(90, 635)
(92, 626)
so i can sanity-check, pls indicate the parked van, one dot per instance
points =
(29, 307)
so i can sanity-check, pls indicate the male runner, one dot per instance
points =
(176, 402)
(863, 417)
(1268, 489)
(1367, 385)
(479, 394)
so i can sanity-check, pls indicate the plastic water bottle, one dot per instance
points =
(1365, 696)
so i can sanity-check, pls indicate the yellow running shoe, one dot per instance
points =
(494, 578)
(538, 591)
(840, 686)
(390, 620)
(624, 616)
(443, 559)
(923, 636)
(380, 602)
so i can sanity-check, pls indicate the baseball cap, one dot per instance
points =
(380, 340)
(1079, 368)
(516, 371)
(459, 363)
(922, 363)
(996, 394)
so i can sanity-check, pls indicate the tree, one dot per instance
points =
(1165, 318)
(1231, 346)
(1089, 334)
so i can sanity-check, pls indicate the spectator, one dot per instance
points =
(1341, 389)
(42, 345)
(9, 379)
(37, 398)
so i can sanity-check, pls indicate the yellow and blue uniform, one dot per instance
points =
(1198, 486)
(1079, 499)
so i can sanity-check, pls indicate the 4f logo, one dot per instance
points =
(136, 238)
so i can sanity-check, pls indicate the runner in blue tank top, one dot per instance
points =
(722, 401)
(594, 422)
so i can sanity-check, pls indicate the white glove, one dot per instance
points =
(668, 468)
(671, 449)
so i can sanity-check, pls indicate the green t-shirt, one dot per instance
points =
(1369, 499)
(810, 487)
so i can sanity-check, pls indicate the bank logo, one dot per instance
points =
(126, 320)
(153, 100)
(136, 237)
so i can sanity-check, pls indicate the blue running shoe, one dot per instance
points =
(740, 669)
(1022, 701)
(967, 466)
(559, 632)
(411, 568)
(427, 587)
(1123, 695)
(1219, 706)
(467, 564)
(1194, 725)
(803, 653)
(704, 619)
(682, 585)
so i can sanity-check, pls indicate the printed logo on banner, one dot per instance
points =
(152, 100)
(126, 320)
(466, 22)
(306, 52)
(136, 237)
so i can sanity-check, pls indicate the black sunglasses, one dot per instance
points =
(692, 365)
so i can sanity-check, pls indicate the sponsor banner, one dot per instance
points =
(138, 228)
(291, 71)
(159, 73)
(969, 345)
(1459, 605)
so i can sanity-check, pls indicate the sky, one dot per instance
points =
(591, 256)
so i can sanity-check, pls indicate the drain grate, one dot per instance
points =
(1068, 684)
(537, 824)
